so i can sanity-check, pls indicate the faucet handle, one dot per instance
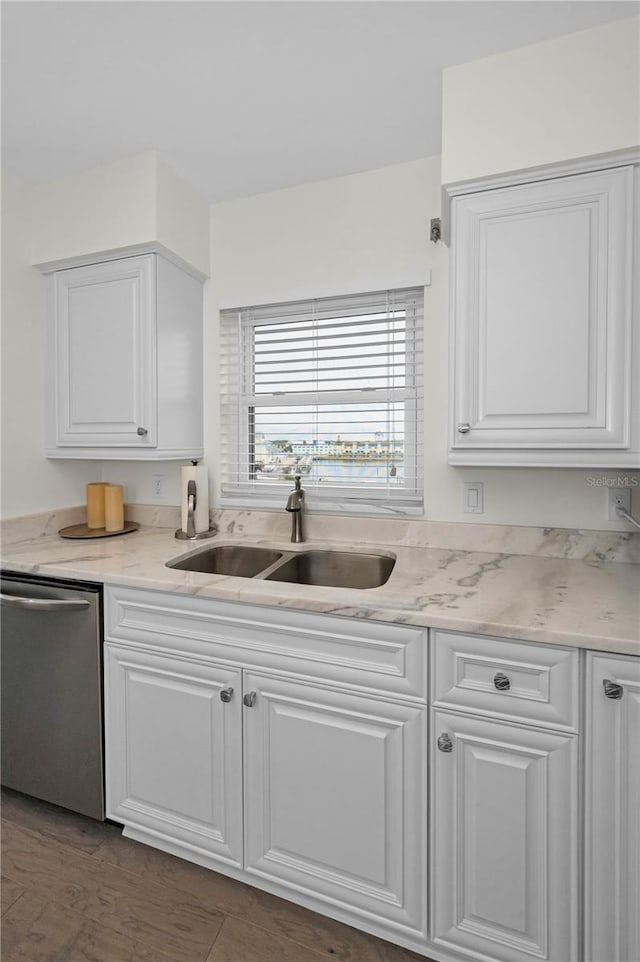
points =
(298, 478)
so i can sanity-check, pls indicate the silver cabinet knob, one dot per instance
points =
(464, 428)
(501, 681)
(142, 432)
(250, 699)
(612, 689)
(226, 694)
(444, 743)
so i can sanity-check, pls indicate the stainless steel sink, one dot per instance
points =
(243, 561)
(336, 569)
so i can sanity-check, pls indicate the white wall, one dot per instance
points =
(29, 482)
(569, 97)
(97, 210)
(138, 200)
(368, 232)
(345, 235)
(182, 219)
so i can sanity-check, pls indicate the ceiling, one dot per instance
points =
(244, 97)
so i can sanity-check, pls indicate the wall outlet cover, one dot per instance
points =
(157, 485)
(618, 498)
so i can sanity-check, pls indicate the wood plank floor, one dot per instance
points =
(75, 890)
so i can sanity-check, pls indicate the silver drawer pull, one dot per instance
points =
(250, 699)
(226, 694)
(142, 432)
(501, 681)
(464, 428)
(42, 604)
(612, 689)
(444, 743)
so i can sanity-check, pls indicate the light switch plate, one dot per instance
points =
(473, 497)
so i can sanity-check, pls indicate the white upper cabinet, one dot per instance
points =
(542, 355)
(124, 361)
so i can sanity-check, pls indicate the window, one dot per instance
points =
(330, 389)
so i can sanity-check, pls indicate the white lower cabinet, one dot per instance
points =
(290, 751)
(504, 843)
(174, 752)
(292, 782)
(612, 851)
(333, 795)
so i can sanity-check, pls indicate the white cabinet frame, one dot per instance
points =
(612, 822)
(123, 360)
(357, 688)
(342, 813)
(174, 758)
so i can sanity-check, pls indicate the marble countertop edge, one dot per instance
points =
(568, 602)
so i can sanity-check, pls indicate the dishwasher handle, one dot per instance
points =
(42, 604)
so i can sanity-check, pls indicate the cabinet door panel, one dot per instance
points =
(334, 792)
(105, 353)
(504, 842)
(612, 868)
(542, 314)
(173, 749)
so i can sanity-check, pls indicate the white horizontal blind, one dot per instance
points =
(330, 389)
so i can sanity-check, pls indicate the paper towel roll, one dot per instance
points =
(199, 474)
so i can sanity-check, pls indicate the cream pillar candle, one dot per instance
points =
(95, 504)
(114, 508)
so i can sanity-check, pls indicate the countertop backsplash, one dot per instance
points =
(580, 545)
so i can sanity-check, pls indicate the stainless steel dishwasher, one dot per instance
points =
(51, 648)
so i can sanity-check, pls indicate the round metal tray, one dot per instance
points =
(81, 531)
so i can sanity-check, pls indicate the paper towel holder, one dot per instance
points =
(200, 536)
(197, 535)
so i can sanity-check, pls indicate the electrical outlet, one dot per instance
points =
(618, 498)
(157, 485)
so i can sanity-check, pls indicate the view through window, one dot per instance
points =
(327, 389)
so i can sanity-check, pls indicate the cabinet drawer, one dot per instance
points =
(510, 679)
(349, 652)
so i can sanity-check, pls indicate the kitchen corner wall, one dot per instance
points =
(569, 97)
(134, 201)
(30, 483)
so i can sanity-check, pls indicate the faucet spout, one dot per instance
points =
(295, 506)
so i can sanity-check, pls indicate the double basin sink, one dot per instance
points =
(336, 569)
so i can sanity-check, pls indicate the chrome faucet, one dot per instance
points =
(295, 505)
(191, 509)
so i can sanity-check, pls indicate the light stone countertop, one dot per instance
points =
(581, 602)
